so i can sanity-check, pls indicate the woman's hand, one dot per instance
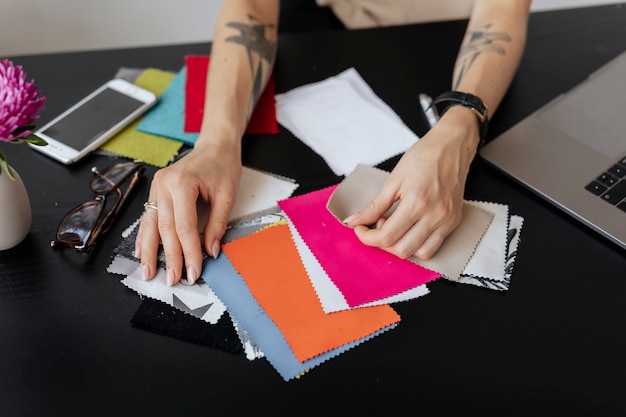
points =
(428, 183)
(203, 176)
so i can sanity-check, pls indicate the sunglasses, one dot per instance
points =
(84, 224)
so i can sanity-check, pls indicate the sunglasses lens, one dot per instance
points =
(112, 177)
(78, 225)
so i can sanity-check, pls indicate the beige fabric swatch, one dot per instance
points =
(360, 187)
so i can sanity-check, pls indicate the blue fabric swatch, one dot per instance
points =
(232, 290)
(167, 117)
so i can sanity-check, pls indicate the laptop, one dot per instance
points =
(572, 151)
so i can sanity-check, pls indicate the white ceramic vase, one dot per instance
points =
(15, 211)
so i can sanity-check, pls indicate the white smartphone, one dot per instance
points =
(93, 120)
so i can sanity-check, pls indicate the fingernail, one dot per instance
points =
(350, 218)
(192, 276)
(215, 250)
(169, 276)
(145, 272)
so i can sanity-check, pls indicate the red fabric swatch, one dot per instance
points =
(263, 118)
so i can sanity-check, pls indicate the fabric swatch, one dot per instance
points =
(242, 306)
(160, 318)
(331, 298)
(259, 193)
(205, 302)
(196, 300)
(514, 232)
(344, 121)
(263, 118)
(362, 273)
(490, 256)
(362, 185)
(270, 265)
(167, 117)
(131, 143)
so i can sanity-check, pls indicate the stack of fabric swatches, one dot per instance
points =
(176, 118)
(301, 288)
(292, 283)
(178, 114)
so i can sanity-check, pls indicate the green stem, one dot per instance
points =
(5, 164)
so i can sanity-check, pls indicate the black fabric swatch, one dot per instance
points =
(158, 317)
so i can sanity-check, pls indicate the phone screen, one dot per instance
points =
(99, 114)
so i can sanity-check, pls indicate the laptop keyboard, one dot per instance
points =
(611, 185)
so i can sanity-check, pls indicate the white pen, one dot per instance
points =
(430, 111)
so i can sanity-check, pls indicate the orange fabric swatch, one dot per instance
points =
(269, 263)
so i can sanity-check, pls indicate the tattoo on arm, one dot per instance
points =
(252, 37)
(480, 41)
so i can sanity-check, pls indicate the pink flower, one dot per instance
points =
(19, 108)
(19, 104)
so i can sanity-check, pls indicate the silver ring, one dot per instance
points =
(150, 205)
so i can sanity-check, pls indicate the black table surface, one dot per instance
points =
(553, 343)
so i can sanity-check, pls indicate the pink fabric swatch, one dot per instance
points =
(263, 118)
(362, 273)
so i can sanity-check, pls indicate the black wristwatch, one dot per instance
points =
(455, 98)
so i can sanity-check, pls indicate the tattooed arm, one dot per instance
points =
(492, 48)
(242, 56)
(429, 180)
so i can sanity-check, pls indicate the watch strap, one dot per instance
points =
(456, 98)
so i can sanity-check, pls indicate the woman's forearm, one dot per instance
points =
(242, 57)
(491, 49)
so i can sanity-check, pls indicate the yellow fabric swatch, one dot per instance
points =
(131, 143)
